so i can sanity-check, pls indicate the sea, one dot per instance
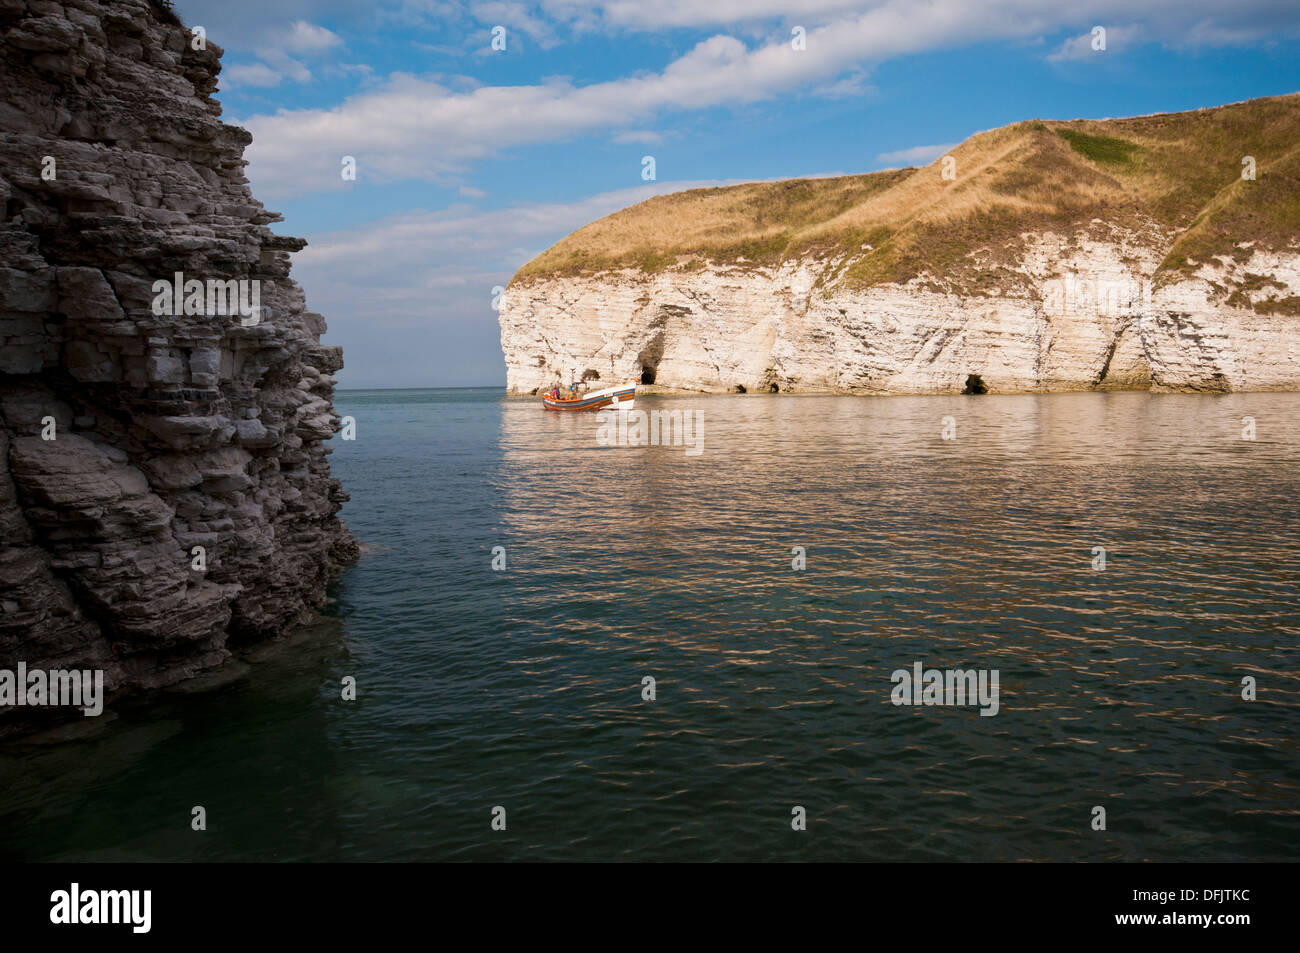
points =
(563, 644)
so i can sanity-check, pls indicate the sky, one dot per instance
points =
(471, 159)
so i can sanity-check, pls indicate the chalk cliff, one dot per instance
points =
(129, 438)
(1158, 252)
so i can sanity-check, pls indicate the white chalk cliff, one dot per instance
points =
(1086, 306)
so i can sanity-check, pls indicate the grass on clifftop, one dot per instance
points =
(1177, 173)
(1104, 150)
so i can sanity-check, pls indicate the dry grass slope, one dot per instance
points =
(1175, 176)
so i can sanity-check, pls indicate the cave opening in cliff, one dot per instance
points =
(648, 374)
(975, 385)
(591, 374)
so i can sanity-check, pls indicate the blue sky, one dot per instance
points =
(470, 160)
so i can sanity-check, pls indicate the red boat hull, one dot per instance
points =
(622, 397)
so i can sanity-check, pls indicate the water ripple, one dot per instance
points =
(1119, 688)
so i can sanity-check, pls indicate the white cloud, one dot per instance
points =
(516, 16)
(916, 155)
(277, 65)
(415, 127)
(854, 86)
(469, 192)
(644, 136)
(250, 74)
(284, 64)
(360, 71)
(308, 39)
(1081, 47)
(1196, 22)
(670, 14)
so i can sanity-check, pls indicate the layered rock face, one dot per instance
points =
(164, 486)
(1098, 322)
(1157, 251)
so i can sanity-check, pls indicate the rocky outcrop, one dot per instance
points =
(164, 485)
(1156, 252)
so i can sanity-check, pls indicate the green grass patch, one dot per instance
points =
(652, 261)
(1106, 150)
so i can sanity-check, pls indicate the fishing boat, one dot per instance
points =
(581, 397)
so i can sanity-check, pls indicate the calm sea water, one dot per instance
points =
(1119, 688)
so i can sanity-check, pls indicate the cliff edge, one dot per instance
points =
(1158, 252)
(164, 486)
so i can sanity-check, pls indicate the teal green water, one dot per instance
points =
(1119, 688)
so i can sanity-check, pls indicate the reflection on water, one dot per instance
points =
(522, 688)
